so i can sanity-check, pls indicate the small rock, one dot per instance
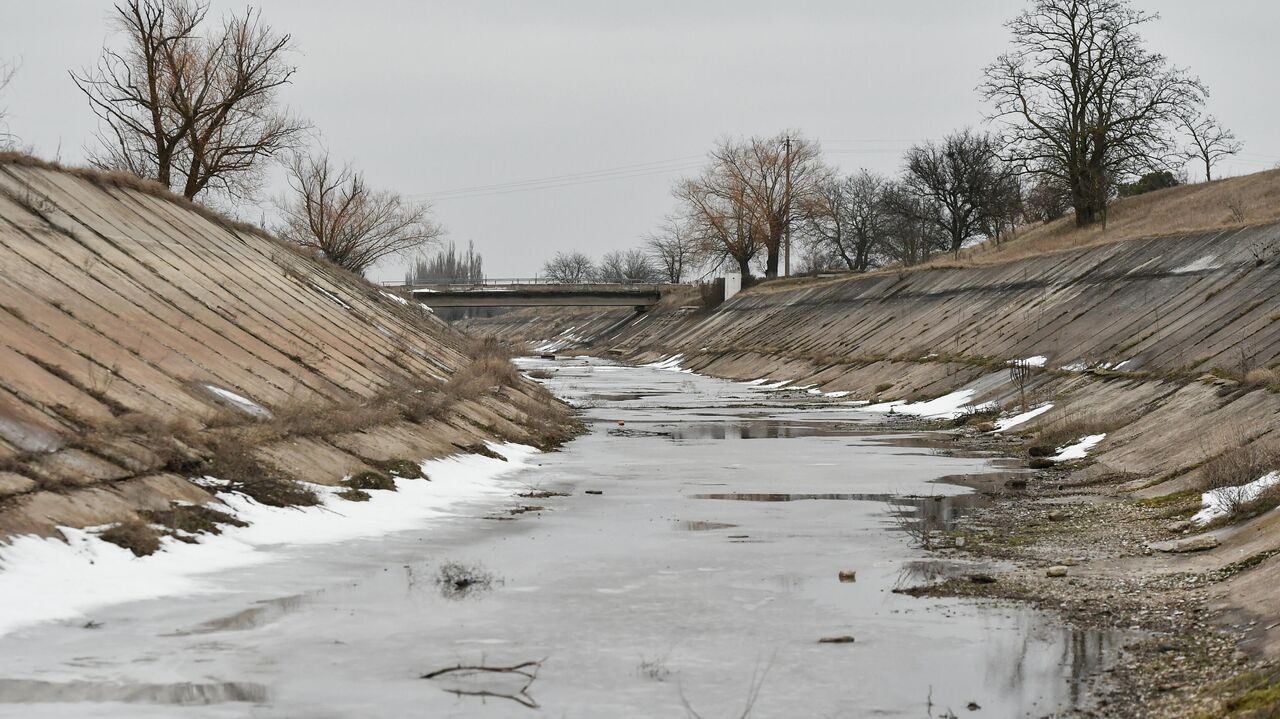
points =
(1016, 484)
(845, 639)
(982, 579)
(1190, 544)
(973, 706)
(1058, 571)
(594, 491)
(1180, 527)
(11, 483)
(848, 575)
(622, 423)
(1057, 516)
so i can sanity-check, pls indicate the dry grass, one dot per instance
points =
(1243, 462)
(1072, 428)
(1234, 202)
(134, 536)
(1222, 204)
(192, 519)
(365, 481)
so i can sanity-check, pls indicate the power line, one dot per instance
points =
(570, 183)
(591, 174)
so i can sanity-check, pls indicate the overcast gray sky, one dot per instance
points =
(618, 99)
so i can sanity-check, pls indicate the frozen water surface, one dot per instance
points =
(653, 593)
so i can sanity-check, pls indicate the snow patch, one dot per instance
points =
(1219, 502)
(395, 298)
(243, 403)
(1036, 361)
(1017, 419)
(330, 295)
(671, 364)
(1200, 265)
(45, 579)
(1080, 449)
(948, 406)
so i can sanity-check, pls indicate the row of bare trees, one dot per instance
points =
(193, 103)
(1082, 108)
(628, 267)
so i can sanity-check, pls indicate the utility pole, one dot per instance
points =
(786, 222)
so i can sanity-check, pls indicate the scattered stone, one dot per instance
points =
(1180, 527)
(982, 579)
(845, 639)
(1057, 516)
(848, 575)
(594, 491)
(11, 483)
(1057, 571)
(1016, 484)
(973, 706)
(1190, 544)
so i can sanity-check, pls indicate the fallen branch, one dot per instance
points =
(528, 671)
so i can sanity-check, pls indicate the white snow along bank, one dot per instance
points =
(45, 579)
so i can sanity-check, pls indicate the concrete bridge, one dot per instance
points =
(535, 293)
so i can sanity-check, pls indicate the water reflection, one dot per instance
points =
(27, 691)
(263, 613)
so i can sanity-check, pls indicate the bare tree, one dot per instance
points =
(7, 71)
(193, 112)
(612, 268)
(673, 249)
(911, 231)
(571, 268)
(846, 218)
(631, 266)
(958, 180)
(448, 265)
(1209, 142)
(1047, 200)
(722, 225)
(1083, 99)
(637, 267)
(332, 211)
(771, 177)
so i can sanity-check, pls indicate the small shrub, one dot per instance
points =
(481, 449)
(232, 459)
(134, 536)
(1041, 450)
(1041, 463)
(976, 415)
(192, 518)
(277, 492)
(405, 468)
(370, 480)
(1262, 377)
(354, 495)
(1227, 472)
(458, 580)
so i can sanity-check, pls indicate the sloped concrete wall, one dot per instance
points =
(116, 302)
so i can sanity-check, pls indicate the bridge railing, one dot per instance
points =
(511, 281)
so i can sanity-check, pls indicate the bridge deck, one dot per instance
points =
(540, 295)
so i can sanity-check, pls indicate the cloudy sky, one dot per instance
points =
(553, 125)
